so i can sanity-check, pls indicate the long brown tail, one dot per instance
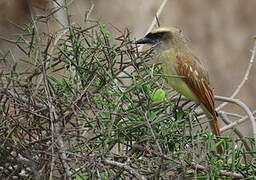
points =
(216, 130)
(214, 125)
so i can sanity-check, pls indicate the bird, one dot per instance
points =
(184, 71)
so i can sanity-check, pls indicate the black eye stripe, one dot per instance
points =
(155, 35)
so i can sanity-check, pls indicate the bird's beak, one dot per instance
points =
(144, 40)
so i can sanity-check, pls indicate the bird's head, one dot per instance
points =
(164, 37)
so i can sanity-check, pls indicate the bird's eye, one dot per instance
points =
(180, 31)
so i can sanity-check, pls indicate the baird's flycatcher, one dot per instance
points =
(185, 72)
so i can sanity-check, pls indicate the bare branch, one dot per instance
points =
(40, 79)
(126, 167)
(88, 13)
(157, 143)
(240, 121)
(235, 115)
(222, 172)
(245, 77)
(23, 98)
(224, 117)
(153, 134)
(159, 11)
(55, 124)
(244, 107)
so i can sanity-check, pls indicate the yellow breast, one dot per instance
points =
(169, 64)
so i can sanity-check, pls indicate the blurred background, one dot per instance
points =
(219, 32)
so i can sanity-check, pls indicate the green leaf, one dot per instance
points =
(152, 116)
(105, 115)
(146, 88)
(159, 95)
(80, 177)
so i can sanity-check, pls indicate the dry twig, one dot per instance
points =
(126, 167)
(159, 11)
(224, 117)
(245, 78)
(222, 172)
(231, 125)
(242, 106)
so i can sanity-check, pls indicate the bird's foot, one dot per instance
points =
(179, 109)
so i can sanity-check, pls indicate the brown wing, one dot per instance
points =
(196, 77)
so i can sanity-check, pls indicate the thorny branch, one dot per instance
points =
(112, 115)
(126, 167)
(222, 172)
